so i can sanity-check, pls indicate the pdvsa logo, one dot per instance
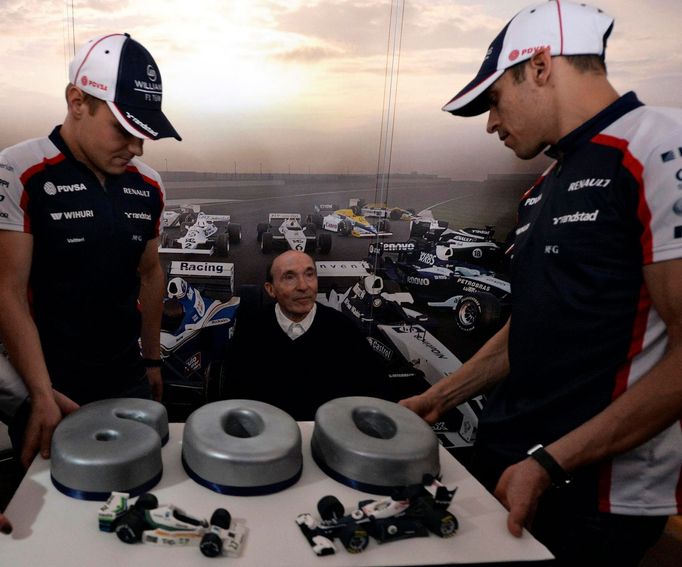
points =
(86, 82)
(52, 189)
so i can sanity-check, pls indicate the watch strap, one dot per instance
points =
(557, 474)
(152, 362)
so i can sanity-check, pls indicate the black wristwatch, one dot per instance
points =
(152, 362)
(556, 472)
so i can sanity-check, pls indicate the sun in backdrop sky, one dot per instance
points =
(298, 85)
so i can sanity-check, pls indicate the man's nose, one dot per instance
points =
(135, 145)
(493, 122)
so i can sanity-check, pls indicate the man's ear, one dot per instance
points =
(269, 289)
(540, 66)
(75, 101)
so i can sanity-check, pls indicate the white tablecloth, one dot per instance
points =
(53, 530)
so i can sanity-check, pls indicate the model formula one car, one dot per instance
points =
(203, 234)
(413, 511)
(283, 231)
(169, 526)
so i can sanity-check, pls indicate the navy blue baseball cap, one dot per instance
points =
(119, 70)
(566, 28)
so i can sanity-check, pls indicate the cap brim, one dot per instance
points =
(469, 101)
(144, 123)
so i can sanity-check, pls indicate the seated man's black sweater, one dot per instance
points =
(331, 360)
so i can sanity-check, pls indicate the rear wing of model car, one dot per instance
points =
(212, 279)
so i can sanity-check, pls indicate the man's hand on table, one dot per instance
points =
(44, 418)
(519, 490)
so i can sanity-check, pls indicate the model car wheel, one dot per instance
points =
(262, 228)
(146, 501)
(441, 523)
(354, 539)
(330, 508)
(211, 545)
(324, 243)
(476, 312)
(129, 527)
(235, 232)
(266, 242)
(221, 518)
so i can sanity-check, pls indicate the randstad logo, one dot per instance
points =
(577, 217)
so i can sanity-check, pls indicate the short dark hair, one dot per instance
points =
(268, 273)
(583, 63)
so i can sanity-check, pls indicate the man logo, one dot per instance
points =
(50, 188)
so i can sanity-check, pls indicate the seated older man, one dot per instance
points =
(298, 354)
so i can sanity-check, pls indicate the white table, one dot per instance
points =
(53, 530)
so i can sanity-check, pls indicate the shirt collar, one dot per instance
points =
(586, 131)
(294, 329)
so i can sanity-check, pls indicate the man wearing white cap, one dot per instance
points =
(80, 279)
(580, 438)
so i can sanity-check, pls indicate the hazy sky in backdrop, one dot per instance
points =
(298, 85)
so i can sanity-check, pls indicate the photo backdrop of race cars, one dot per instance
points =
(235, 214)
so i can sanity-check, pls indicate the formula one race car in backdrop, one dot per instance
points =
(473, 245)
(348, 222)
(412, 511)
(479, 297)
(203, 234)
(380, 210)
(283, 231)
(168, 526)
(198, 319)
(413, 356)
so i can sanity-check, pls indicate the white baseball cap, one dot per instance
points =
(565, 27)
(117, 69)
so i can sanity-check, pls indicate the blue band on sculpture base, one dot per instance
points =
(356, 484)
(102, 496)
(242, 490)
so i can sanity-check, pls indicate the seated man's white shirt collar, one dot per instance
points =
(294, 329)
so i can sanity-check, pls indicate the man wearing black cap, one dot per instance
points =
(580, 438)
(80, 279)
